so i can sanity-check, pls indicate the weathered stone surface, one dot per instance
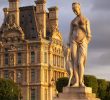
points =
(77, 93)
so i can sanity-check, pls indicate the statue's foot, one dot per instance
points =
(68, 85)
(82, 85)
(75, 85)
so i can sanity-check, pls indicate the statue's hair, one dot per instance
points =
(75, 3)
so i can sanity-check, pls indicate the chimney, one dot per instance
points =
(53, 17)
(14, 10)
(41, 16)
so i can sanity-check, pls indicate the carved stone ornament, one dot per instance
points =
(54, 28)
(11, 19)
(11, 59)
(10, 25)
(40, 34)
(12, 47)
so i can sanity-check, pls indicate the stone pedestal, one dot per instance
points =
(77, 93)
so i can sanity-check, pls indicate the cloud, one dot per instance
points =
(101, 5)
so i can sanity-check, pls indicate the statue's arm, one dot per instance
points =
(89, 36)
(70, 34)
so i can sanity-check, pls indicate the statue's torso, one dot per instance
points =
(78, 34)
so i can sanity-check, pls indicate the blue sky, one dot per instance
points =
(98, 12)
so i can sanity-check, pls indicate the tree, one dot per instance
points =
(102, 87)
(8, 90)
(60, 83)
(107, 97)
(91, 81)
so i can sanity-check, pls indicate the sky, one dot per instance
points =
(98, 12)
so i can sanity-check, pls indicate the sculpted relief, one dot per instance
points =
(10, 28)
(10, 19)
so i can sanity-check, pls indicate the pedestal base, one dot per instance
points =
(77, 93)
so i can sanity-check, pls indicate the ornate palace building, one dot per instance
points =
(31, 49)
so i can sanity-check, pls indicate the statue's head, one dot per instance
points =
(76, 8)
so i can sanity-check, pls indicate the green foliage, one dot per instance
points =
(8, 90)
(107, 97)
(60, 83)
(91, 81)
(102, 87)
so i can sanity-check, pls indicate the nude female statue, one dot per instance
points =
(79, 38)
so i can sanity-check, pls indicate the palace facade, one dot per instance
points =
(31, 49)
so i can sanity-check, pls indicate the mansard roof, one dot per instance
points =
(28, 21)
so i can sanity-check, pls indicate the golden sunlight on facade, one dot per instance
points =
(31, 49)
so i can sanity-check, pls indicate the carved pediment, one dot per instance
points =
(57, 36)
(10, 29)
(10, 34)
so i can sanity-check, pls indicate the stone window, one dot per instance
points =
(6, 49)
(62, 62)
(19, 58)
(45, 75)
(45, 95)
(30, 15)
(22, 16)
(32, 75)
(53, 59)
(32, 57)
(45, 57)
(6, 58)
(22, 22)
(33, 28)
(33, 94)
(30, 21)
(58, 61)
(6, 76)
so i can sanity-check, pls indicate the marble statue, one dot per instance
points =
(79, 38)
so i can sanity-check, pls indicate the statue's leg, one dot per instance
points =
(70, 77)
(82, 60)
(74, 63)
